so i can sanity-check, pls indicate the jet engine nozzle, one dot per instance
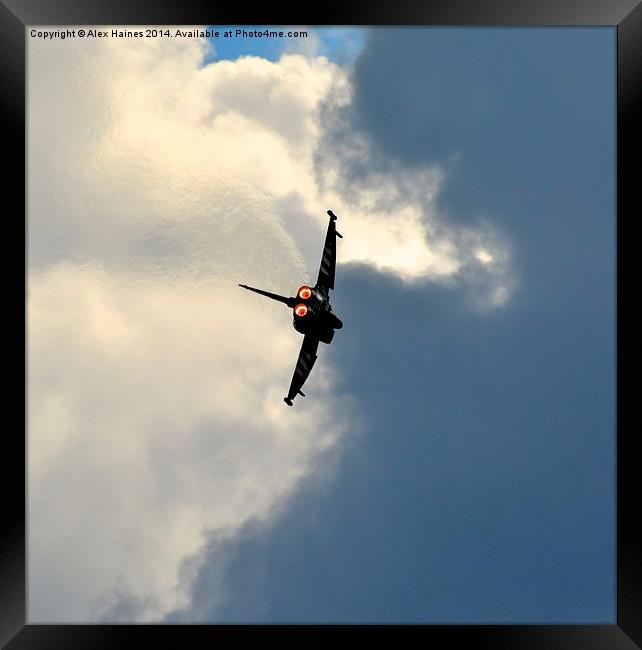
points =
(304, 292)
(301, 310)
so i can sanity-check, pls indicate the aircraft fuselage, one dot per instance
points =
(313, 314)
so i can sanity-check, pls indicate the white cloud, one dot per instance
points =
(155, 384)
(156, 415)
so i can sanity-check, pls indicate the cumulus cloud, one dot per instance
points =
(156, 419)
(397, 205)
(156, 415)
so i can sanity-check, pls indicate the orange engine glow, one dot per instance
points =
(301, 310)
(304, 293)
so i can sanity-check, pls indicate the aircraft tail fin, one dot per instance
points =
(290, 302)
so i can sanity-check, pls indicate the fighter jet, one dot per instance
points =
(312, 315)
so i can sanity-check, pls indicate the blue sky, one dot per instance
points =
(482, 488)
(340, 44)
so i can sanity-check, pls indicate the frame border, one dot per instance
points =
(625, 15)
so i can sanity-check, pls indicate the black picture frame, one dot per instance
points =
(624, 15)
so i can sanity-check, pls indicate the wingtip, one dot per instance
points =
(287, 401)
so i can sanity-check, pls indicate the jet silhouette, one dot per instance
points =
(312, 314)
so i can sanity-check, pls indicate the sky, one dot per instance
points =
(454, 459)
